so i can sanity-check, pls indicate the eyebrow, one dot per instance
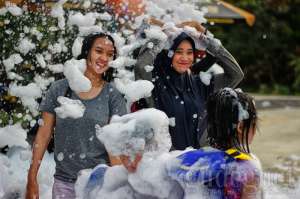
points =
(100, 48)
(190, 49)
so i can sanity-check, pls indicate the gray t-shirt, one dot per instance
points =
(75, 141)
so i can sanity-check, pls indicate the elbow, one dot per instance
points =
(238, 77)
(241, 75)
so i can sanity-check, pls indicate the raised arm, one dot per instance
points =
(233, 73)
(216, 52)
(204, 64)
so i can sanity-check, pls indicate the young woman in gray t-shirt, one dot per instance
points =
(75, 139)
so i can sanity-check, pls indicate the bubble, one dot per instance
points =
(41, 122)
(170, 53)
(172, 121)
(82, 155)
(91, 138)
(60, 156)
(148, 68)
(264, 36)
(71, 155)
(32, 123)
(181, 102)
(195, 116)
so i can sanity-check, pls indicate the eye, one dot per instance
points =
(99, 51)
(110, 55)
(178, 52)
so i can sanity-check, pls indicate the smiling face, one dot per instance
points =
(183, 57)
(100, 54)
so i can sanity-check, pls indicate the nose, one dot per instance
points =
(184, 57)
(104, 57)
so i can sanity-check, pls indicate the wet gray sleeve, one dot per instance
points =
(49, 102)
(146, 57)
(233, 73)
(117, 104)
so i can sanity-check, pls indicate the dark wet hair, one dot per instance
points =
(223, 109)
(87, 45)
(180, 38)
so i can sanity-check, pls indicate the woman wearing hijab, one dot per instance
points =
(178, 92)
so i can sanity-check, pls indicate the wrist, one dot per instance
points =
(32, 174)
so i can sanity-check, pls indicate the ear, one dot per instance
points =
(240, 127)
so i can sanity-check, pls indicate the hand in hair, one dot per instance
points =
(156, 22)
(193, 24)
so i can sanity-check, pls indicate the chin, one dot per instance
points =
(100, 71)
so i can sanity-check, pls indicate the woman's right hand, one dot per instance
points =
(193, 24)
(32, 189)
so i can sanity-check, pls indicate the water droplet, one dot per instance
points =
(91, 138)
(82, 155)
(170, 53)
(60, 156)
(41, 122)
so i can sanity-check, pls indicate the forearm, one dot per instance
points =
(39, 147)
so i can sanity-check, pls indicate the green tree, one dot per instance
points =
(268, 51)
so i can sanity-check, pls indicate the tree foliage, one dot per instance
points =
(269, 51)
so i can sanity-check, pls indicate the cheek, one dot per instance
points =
(91, 57)
(175, 59)
(251, 134)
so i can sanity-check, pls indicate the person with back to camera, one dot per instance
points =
(225, 169)
(177, 91)
(75, 139)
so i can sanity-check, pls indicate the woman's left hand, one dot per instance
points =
(130, 165)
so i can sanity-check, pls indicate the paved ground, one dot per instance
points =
(271, 102)
(278, 135)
